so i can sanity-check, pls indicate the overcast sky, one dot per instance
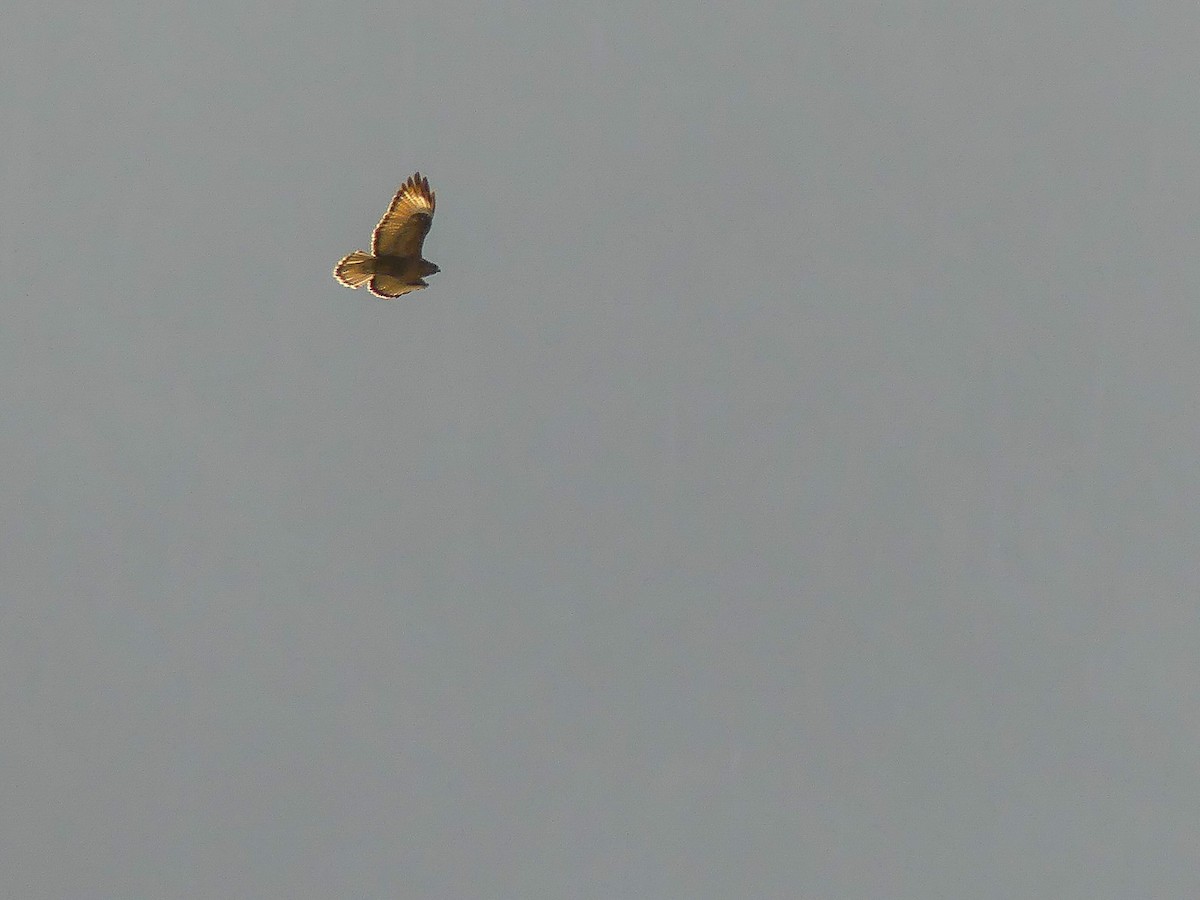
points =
(788, 488)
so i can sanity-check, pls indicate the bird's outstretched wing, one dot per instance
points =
(389, 287)
(402, 230)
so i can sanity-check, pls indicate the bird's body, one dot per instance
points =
(395, 266)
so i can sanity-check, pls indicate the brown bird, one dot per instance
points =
(394, 266)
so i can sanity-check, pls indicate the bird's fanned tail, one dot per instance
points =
(355, 270)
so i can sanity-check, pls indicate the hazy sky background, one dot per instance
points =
(788, 488)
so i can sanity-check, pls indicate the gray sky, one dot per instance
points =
(788, 488)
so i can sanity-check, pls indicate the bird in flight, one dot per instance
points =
(394, 266)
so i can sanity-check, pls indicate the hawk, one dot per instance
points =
(394, 266)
